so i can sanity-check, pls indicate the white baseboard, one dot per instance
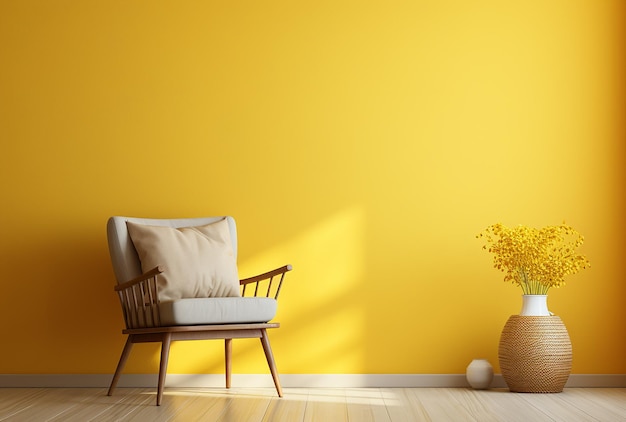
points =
(287, 380)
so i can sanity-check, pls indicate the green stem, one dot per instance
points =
(532, 287)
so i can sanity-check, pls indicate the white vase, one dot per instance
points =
(479, 374)
(535, 305)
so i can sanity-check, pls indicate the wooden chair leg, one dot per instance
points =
(120, 365)
(165, 352)
(270, 361)
(228, 352)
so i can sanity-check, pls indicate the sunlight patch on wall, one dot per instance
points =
(319, 314)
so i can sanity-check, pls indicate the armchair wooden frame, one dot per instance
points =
(139, 300)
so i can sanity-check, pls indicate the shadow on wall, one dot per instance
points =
(61, 287)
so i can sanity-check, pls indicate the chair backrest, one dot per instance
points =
(126, 263)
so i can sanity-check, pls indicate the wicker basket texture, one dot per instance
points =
(535, 354)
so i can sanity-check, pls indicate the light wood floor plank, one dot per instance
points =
(124, 410)
(475, 404)
(440, 405)
(250, 406)
(54, 402)
(315, 404)
(366, 405)
(91, 408)
(205, 407)
(610, 397)
(501, 405)
(16, 400)
(557, 407)
(290, 407)
(326, 404)
(598, 402)
(404, 406)
(171, 407)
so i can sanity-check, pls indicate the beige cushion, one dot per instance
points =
(198, 261)
(219, 310)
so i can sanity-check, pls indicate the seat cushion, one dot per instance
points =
(198, 262)
(222, 310)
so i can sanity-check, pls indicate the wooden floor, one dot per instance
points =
(312, 404)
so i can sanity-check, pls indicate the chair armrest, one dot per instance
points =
(139, 299)
(137, 280)
(257, 279)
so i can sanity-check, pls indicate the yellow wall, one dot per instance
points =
(366, 143)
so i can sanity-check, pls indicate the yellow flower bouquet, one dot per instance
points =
(535, 259)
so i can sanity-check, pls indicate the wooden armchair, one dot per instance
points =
(177, 280)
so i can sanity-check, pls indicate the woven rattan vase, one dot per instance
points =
(535, 354)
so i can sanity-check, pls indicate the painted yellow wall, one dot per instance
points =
(366, 143)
